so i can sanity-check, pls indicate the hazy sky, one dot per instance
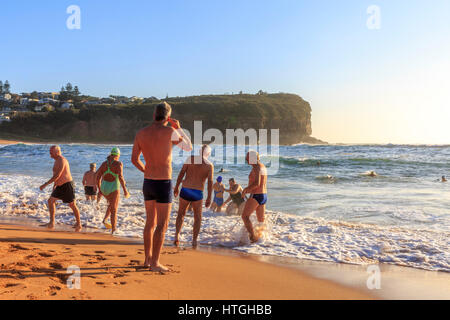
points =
(386, 85)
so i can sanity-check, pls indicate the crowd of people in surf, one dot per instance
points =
(155, 144)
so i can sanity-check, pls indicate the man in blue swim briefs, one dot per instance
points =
(257, 187)
(155, 142)
(195, 172)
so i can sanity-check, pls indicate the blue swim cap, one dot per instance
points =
(219, 179)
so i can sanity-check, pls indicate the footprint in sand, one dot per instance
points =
(52, 290)
(11, 285)
(122, 256)
(100, 252)
(56, 265)
(63, 278)
(18, 247)
(45, 254)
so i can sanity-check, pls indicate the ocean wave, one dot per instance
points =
(283, 234)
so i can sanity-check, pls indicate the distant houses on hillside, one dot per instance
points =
(49, 101)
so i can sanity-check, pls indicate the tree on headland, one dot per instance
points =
(69, 88)
(6, 87)
(1, 87)
(69, 92)
(261, 93)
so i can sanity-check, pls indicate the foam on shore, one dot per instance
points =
(285, 235)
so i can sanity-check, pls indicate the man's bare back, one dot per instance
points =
(157, 155)
(89, 179)
(197, 174)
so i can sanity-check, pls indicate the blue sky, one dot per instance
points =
(364, 85)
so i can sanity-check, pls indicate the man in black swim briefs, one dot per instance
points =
(155, 143)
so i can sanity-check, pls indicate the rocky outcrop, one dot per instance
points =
(287, 112)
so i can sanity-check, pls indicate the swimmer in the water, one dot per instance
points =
(219, 190)
(444, 179)
(372, 174)
(237, 202)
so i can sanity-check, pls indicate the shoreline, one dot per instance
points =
(398, 282)
(34, 263)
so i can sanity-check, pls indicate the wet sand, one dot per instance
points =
(34, 262)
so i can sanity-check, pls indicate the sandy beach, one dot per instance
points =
(34, 266)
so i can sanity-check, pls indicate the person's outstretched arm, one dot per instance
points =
(84, 180)
(233, 190)
(210, 186)
(179, 138)
(98, 177)
(136, 156)
(122, 182)
(228, 200)
(57, 171)
(253, 184)
(181, 175)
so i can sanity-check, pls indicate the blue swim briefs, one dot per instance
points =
(191, 195)
(261, 198)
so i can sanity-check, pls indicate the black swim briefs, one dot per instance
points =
(158, 190)
(65, 192)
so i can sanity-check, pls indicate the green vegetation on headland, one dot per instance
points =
(119, 123)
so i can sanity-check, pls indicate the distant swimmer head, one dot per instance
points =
(115, 152)
(219, 179)
(55, 151)
(206, 151)
(252, 157)
(444, 179)
(163, 111)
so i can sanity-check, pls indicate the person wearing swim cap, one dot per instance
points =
(109, 180)
(63, 188)
(219, 190)
(155, 143)
(257, 187)
(195, 172)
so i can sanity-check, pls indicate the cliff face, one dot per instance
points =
(286, 112)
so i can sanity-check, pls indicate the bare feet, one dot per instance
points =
(194, 244)
(176, 242)
(50, 225)
(254, 239)
(147, 262)
(159, 268)
(77, 227)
